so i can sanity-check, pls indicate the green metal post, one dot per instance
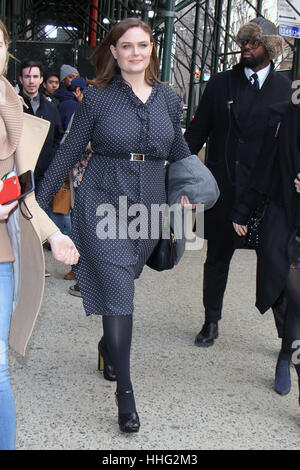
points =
(191, 100)
(169, 14)
(3, 9)
(183, 4)
(204, 48)
(226, 43)
(259, 7)
(216, 35)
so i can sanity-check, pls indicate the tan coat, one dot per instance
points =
(29, 265)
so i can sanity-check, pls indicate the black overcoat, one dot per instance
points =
(235, 129)
(47, 110)
(276, 169)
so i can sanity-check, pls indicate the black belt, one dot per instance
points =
(134, 157)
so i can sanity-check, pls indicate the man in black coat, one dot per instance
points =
(31, 77)
(232, 114)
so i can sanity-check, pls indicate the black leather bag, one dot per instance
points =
(164, 255)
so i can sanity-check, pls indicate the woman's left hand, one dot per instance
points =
(185, 202)
(64, 250)
(297, 183)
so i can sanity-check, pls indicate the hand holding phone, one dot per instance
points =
(16, 187)
(10, 189)
(5, 209)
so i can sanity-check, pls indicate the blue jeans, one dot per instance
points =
(62, 221)
(7, 406)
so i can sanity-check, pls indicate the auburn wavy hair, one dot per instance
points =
(104, 62)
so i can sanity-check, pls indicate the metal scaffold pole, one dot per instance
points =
(227, 32)
(3, 9)
(216, 36)
(259, 7)
(191, 100)
(169, 14)
(204, 47)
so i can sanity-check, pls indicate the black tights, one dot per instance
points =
(117, 337)
(292, 319)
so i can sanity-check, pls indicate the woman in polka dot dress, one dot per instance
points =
(133, 123)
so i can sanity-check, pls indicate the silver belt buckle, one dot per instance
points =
(137, 157)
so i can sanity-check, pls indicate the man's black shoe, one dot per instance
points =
(207, 335)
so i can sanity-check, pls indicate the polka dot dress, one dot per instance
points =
(107, 201)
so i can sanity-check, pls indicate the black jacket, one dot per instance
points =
(233, 116)
(273, 177)
(47, 110)
(67, 105)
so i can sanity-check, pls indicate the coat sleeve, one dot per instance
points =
(201, 126)
(69, 153)
(32, 139)
(42, 223)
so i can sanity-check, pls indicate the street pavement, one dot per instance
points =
(188, 398)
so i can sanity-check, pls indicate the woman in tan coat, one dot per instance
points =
(21, 236)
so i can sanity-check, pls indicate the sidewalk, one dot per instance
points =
(187, 397)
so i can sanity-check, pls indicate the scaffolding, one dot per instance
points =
(194, 38)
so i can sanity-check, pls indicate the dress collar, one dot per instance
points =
(119, 82)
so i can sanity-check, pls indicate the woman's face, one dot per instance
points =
(133, 51)
(3, 53)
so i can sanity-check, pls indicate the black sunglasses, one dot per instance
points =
(252, 42)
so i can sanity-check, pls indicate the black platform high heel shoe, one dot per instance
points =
(103, 363)
(128, 422)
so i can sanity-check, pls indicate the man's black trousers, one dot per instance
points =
(216, 268)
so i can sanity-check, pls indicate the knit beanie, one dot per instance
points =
(264, 31)
(66, 70)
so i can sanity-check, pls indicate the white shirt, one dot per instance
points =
(262, 74)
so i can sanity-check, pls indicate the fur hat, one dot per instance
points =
(262, 30)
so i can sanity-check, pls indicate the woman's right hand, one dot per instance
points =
(5, 209)
(241, 230)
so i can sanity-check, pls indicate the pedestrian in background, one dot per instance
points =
(233, 115)
(278, 255)
(50, 85)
